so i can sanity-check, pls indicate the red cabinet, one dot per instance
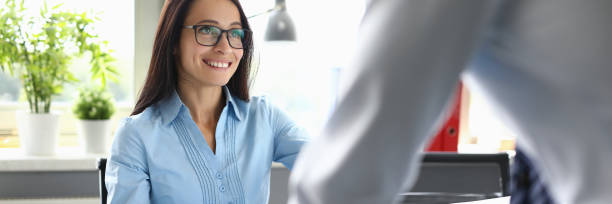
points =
(447, 138)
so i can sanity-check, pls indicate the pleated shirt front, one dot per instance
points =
(161, 156)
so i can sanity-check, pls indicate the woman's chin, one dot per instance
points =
(215, 82)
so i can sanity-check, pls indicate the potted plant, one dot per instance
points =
(38, 50)
(93, 107)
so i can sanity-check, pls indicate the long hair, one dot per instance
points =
(162, 75)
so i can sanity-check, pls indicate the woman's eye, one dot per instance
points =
(206, 30)
(237, 33)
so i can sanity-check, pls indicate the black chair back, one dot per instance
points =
(486, 174)
(101, 172)
(453, 177)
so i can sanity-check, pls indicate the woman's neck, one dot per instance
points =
(205, 103)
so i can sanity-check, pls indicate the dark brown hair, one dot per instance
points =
(162, 76)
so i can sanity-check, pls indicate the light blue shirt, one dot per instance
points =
(160, 155)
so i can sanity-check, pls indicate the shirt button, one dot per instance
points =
(222, 188)
(219, 175)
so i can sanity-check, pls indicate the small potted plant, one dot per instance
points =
(93, 107)
(38, 50)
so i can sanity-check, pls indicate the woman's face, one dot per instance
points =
(209, 65)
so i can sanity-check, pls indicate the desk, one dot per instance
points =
(502, 200)
(445, 198)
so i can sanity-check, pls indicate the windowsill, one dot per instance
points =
(58, 105)
(66, 159)
(52, 201)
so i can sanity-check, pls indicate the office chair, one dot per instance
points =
(453, 177)
(102, 170)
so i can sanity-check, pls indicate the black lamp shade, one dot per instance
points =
(280, 27)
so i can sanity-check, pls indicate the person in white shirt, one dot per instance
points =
(546, 65)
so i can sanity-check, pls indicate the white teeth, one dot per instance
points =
(218, 64)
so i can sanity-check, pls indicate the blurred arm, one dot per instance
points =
(404, 72)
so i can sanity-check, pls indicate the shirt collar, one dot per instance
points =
(171, 106)
(230, 99)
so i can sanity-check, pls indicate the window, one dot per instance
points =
(302, 77)
(116, 25)
(486, 132)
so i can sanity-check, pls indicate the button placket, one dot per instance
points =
(219, 175)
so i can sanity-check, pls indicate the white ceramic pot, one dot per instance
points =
(93, 135)
(38, 132)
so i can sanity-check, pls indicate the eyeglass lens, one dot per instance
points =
(209, 35)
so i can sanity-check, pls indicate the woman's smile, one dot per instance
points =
(218, 64)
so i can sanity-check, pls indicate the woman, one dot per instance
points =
(194, 135)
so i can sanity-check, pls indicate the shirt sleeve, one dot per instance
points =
(406, 68)
(288, 136)
(127, 177)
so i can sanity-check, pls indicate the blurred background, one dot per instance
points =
(300, 76)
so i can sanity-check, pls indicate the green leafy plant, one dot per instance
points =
(39, 49)
(93, 103)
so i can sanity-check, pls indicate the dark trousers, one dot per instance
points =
(526, 185)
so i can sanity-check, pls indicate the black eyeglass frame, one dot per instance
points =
(247, 33)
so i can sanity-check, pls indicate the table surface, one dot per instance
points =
(445, 198)
(502, 200)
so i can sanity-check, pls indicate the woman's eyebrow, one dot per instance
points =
(207, 21)
(217, 23)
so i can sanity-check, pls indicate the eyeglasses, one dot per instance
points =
(208, 35)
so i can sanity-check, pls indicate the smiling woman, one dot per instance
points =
(195, 135)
